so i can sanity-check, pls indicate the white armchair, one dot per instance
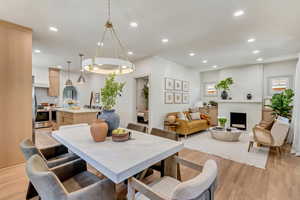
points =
(201, 187)
(274, 138)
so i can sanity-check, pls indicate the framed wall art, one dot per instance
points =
(178, 98)
(178, 85)
(169, 97)
(185, 86)
(185, 98)
(169, 84)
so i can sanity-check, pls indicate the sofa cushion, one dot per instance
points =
(195, 116)
(181, 116)
(197, 123)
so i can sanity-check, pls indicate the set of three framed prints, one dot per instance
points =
(176, 91)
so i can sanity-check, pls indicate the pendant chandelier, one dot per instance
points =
(81, 79)
(69, 82)
(117, 64)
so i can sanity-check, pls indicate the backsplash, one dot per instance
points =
(42, 96)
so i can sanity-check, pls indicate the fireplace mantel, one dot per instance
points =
(240, 101)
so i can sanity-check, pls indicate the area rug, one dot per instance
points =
(236, 151)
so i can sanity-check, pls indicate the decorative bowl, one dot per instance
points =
(121, 137)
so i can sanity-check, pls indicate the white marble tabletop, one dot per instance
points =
(117, 161)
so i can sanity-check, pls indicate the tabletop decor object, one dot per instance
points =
(225, 135)
(109, 94)
(120, 135)
(222, 121)
(99, 129)
(225, 86)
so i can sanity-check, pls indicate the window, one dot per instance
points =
(279, 84)
(210, 90)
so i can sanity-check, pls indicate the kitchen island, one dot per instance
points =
(67, 116)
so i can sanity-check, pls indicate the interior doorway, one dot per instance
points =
(142, 100)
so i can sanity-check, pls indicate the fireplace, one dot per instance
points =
(238, 120)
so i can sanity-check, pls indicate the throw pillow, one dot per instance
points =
(204, 116)
(195, 116)
(193, 110)
(181, 116)
(188, 116)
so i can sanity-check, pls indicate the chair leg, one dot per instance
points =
(250, 145)
(31, 192)
(278, 151)
(162, 168)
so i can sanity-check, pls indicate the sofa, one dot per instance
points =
(187, 127)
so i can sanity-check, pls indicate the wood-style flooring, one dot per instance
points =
(279, 181)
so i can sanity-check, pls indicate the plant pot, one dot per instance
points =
(249, 96)
(224, 95)
(99, 129)
(111, 118)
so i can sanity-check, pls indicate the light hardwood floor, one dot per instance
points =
(280, 180)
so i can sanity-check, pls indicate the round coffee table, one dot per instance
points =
(224, 135)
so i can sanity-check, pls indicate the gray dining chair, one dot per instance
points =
(53, 156)
(70, 181)
(137, 127)
(201, 187)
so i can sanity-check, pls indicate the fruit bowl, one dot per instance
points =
(120, 135)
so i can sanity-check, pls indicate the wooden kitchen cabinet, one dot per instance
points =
(54, 79)
(75, 117)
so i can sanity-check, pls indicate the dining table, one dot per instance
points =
(119, 161)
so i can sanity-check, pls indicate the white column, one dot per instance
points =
(296, 113)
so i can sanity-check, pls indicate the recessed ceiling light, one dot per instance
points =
(58, 66)
(204, 61)
(134, 24)
(215, 66)
(238, 13)
(130, 53)
(256, 51)
(95, 68)
(37, 51)
(251, 40)
(192, 54)
(259, 59)
(100, 44)
(124, 67)
(52, 28)
(164, 40)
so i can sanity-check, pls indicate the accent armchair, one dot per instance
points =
(274, 138)
(202, 187)
(70, 181)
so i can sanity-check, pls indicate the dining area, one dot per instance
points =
(63, 171)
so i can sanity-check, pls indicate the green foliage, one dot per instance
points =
(110, 92)
(222, 121)
(146, 95)
(224, 84)
(282, 103)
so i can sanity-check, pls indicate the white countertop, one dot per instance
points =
(81, 110)
(117, 160)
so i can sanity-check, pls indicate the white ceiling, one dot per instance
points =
(206, 27)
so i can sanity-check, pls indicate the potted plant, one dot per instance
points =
(222, 121)
(109, 94)
(225, 86)
(282, 103)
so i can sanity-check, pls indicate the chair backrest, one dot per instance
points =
(279, 132)
(165, 134)
(29, 149)
(44, 181)
(137, 127)
(202, 187)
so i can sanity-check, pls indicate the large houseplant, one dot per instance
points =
(281, 103)
(225, 86)
(109, 93)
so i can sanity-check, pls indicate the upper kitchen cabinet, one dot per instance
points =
(40, 77)
(54, 78)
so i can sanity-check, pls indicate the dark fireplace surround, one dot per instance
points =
(238, 120)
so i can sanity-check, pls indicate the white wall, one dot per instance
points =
(250, 78)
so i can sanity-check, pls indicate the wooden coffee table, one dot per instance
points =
(224, 135)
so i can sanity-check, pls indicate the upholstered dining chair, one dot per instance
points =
(53, 156)
(274, 138)
(137, 127)
(201, 187)
(169, 135)
(70, 181)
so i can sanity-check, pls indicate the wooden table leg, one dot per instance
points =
(130, 191)
(171, 167)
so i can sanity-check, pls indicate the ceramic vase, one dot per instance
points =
(99, 129)
(224, 95)
(111, 118)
